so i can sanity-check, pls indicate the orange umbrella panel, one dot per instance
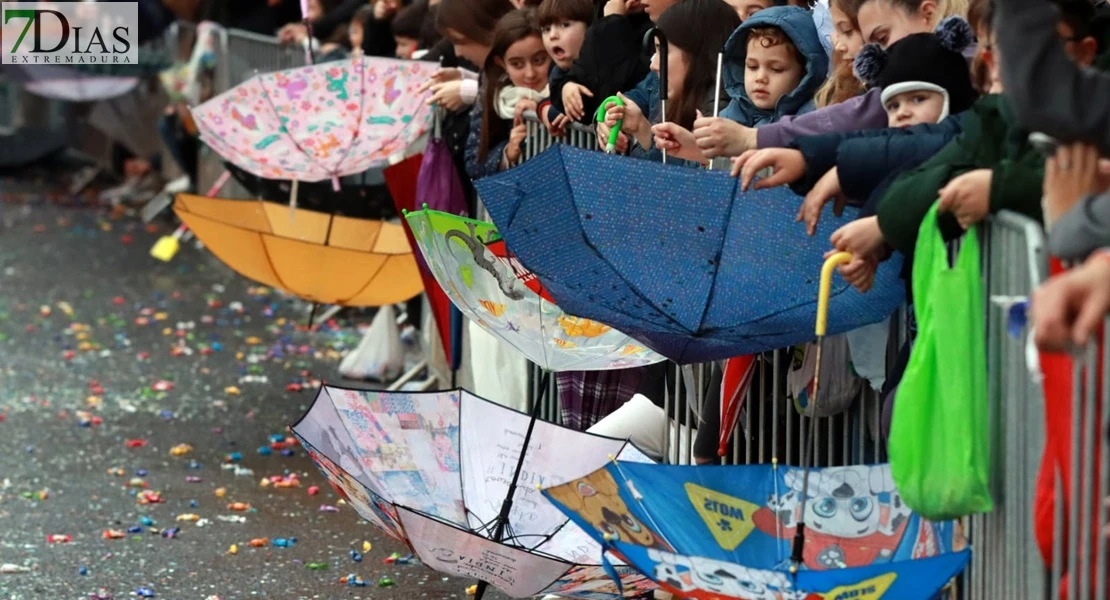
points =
(319, 257)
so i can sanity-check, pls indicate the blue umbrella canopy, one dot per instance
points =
(723, 533)
(678, 258)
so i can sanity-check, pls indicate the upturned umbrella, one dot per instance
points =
(678, 258)
(322, 258)
(490, 287)
(319, 122)
(724, 533)
(434, 469)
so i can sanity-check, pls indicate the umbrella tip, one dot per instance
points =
(425, 206)
(612, 458)
(404, 212)
(539, 488)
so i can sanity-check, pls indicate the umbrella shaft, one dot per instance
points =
(807, 459)
(507, 505)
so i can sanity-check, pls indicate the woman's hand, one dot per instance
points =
(632, 120)
(717, 136)
(787, 167)
(573, 105)
(447, 94)
(1070, 175)
(516, 139)
(1068, 308)
(293, 33)
(827, 188)
(968, 197)
(603, 138)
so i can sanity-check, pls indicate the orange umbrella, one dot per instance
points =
(316, 256)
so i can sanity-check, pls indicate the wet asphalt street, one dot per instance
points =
(96, 406)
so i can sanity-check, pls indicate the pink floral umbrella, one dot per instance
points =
(319, 122)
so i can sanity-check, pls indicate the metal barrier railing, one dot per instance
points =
(1087, 567)
(239, 56)
(1006, 563)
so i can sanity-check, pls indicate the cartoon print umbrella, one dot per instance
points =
(432, 469)
(490, 287)
(316, 256)
(319, 122)
(723, 533)
(677, 258)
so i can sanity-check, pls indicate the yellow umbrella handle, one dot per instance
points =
(831, 263)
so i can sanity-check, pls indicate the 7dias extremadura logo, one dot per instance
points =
(69, 33)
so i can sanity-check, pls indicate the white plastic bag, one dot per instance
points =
(380, 355)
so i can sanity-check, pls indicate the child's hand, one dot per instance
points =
(572, 100)
(861, 237)
(1069, 176)
(827, 188)
(615, 7)
(440, 76)
(788, 166)
(556, 128)
(447, 94)
(522, 106)
(516, 138)
(968, 197)
(859, 273)
(678, 141)
(717, 136)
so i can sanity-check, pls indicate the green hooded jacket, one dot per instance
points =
(991, 139)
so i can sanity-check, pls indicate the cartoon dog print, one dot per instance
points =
(854, 515)
(596, 497)
(695, 577)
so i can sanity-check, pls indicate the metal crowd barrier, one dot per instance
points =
(1006, 563)
(239, 56)
(539, 139)
(1087, 568)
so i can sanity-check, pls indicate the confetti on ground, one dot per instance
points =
(126, 385)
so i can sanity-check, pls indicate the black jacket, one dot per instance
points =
(611, 60)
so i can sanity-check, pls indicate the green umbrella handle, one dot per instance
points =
(611, 146)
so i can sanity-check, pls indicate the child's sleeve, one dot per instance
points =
(1017, 184)
(906, 202)
(861, 112)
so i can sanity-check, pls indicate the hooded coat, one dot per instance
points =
(797, 24)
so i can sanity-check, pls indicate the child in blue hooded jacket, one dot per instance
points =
(774, 64)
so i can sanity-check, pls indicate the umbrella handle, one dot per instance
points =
(825, 287)
(611, 145)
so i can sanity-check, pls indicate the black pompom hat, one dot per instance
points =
(923, 61)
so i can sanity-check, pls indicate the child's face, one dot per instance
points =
(405, 46)
(847, 39)
(770, 73)
(747, 8)
(563, 41)
(914, 108)
(527, 63)
(354, 34)
(678, 63)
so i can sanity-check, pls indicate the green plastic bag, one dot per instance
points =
(939, 432)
